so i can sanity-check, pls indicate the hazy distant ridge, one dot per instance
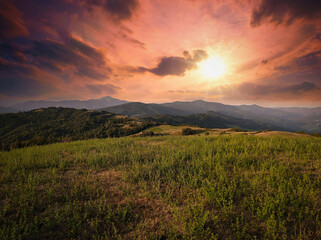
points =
(77, 104)
(254, 116)
(307, 119)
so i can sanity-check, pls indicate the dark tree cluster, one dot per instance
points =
(147, 134)
(316, 135)
(187, 131)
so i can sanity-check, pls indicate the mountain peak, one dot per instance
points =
(106, 98)
(199, 101)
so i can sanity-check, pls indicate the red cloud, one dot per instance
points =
(11, 22)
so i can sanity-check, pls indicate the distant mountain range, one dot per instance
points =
(138, 109)
(201, 113)
(209, 114)
(91, 104)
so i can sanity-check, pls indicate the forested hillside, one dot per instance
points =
(43, 126)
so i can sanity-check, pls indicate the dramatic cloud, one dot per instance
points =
(55, 55)
(173, 66)
(86, 50)
(11, 23)
(132, 40)
(199, 55)
(285, 11)
(283, 68)
(260, 89)
(309, 60)
(65, 60)
(11, 53)
(118, 10)
(19, 81)
(177, 65)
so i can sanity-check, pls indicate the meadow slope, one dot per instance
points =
(172, 187)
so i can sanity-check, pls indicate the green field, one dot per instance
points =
(169, 187)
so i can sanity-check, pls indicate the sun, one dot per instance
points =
(213, 67)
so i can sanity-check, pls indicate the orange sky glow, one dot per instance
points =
(236, 52)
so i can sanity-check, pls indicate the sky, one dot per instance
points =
(265, 52)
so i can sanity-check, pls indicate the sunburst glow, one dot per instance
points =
(213, 67)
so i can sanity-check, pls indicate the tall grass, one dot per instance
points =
(193, 187)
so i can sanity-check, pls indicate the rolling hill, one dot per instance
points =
(257, 117)
(43, 126)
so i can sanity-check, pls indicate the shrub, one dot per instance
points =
(237, 129)
(316, 134)
(187, 131)
(301, 132)
(147, 134)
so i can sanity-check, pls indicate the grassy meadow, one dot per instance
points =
(168, 187)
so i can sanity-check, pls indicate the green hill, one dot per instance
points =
(49, 125)
(174, 187)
